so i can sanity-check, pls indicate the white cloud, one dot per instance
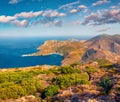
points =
(50, 13)
(6, 19)
(20, 23)
(53, 13)
(74, 11)
(50, 17)
(103, 17)
(62, 14)
(14, 1)
(13, 20)
(30, 14)
(82, 7)
(100, 2)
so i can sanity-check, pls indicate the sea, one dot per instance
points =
(12, 49)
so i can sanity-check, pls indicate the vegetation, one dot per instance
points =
(103, 63)
(46, 83)
(91, 70)
(67, 80)
(69, 70)
(17, 84)
(106, 84)
(50, 91)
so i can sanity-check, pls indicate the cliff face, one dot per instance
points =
(102, 46)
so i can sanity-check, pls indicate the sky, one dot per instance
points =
(30, 18)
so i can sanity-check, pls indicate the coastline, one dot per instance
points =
(35, 54)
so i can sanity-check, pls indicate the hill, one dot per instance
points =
(71, 50)
(103, 46)
(100, 47)
(75, 83)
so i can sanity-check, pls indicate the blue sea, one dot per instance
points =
(12, 49)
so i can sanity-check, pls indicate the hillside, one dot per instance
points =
(71, 50)
(103, 46)
(75, 83)
(100, 47)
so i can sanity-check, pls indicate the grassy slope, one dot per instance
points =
(83, 81)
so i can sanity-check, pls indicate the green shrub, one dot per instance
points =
(14, 76)
(69, 70)
(14, 91)
(31, 86)
(50, 91)
(83, 82)
(75, 64)
(106, 84)
(17, 84)
(67, 80)
(103, 62)
(91, 70)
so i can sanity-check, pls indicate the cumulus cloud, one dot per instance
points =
(6, 19)
(22, 23)
(82, 7)
(13, 20)
(103, 29)
(30, 14)
(78, 9)
(14, 1)
(100, 2)
(103, 17)
(62, 14)
(48, 17)
(53, 13)
(47, 21)
(50, 13)
(74, 11)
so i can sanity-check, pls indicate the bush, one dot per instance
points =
(106, 84)
(75, 64)
(103, 62)
(91, 70)
(14, 76)
(50, 91)
(14, 91)
(69, 70)
(83, 82)
(17, 84)
(67, 80)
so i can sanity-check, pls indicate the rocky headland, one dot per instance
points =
(100, 47)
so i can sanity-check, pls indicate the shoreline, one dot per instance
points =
(35, 54)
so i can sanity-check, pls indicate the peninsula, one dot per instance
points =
(73, 51)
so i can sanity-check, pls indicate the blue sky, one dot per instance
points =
(59, 17)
